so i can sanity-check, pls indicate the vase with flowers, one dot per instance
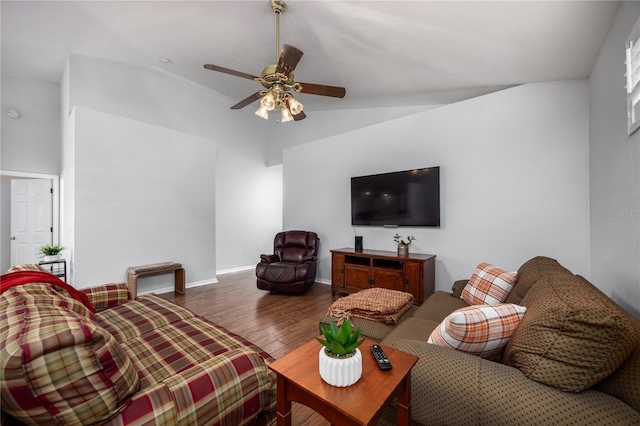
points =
(403, 243)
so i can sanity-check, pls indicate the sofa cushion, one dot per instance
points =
(488, 285)
(58, 366)
(213, 376)
(457, 287)
(454, 388)
(158, 334)
(623, 383)
(411, 329)
(482, 330)
(531, 272)
(439, 305)
(572, 335)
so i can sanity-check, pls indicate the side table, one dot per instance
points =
(56, 267)
(360, 404)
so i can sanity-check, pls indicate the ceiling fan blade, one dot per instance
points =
(323, 90)
(230, 71)
(289, 58)
(243, 103)
(300, 116)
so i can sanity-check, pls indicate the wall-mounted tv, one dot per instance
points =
(407, 198)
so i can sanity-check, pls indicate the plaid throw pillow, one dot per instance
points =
(488, 285)
(482, 330)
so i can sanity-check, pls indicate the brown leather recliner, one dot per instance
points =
(292, 266)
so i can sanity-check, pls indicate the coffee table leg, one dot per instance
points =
(283, 406)
(404, 403)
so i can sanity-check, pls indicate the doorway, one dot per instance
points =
(33, 201)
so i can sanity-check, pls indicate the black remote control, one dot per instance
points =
(381, 358)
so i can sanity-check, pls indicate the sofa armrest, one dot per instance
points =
(108, 295)
(457, 288)
(454, 388)
(269, 258)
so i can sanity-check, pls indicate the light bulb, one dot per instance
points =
(286, 115)
(295, 106)
(268, 102)
(262, 112)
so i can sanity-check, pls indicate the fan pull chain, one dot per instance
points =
(277, 36)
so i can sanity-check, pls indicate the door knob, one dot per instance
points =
(12, 237)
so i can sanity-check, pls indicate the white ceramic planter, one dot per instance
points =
(340, 372)
(51, 257)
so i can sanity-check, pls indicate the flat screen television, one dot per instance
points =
(407, 198)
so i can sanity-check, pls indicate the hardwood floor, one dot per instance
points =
(278, 323)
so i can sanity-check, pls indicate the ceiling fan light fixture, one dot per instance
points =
(268, 101)
(262, 112)
(295, 106)
(286, 114)
(277, 80)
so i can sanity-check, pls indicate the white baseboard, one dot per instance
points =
(238, 269)
(172, 288)
(215, 280)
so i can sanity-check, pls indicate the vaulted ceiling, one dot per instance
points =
(385, 53)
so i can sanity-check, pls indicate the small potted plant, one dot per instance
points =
(50, 252)
(403, 243)
(340, 358)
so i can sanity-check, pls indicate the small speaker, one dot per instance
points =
(358, 243)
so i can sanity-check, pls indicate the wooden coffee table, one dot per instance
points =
(361, 404)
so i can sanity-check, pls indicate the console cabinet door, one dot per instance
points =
(337, 270)
(357, 276)
(414, 273)
(388, 279)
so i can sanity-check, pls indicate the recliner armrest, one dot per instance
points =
(269, 258)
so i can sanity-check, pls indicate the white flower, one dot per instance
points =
(403, 240)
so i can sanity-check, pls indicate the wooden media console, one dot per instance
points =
(352, 271)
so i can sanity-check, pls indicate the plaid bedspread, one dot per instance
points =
(190, 371)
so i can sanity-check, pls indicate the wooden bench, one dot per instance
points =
(135, 272)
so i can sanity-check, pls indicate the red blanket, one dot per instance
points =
(25, 277)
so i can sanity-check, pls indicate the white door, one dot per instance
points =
(31, 218)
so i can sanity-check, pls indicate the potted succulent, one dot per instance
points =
(403, 243)
(50, 252)
(340, 358)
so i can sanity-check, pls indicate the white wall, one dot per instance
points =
(248, 195)
(514, 180)
(615, 171)
(323, 124)
(30, 143)
(144, 194)
(67, 176)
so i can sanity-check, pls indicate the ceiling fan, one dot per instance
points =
(278, 80)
